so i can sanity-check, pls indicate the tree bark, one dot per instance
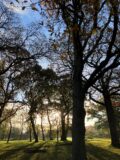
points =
(57, 133)
(115, 139)
(67, 125)
(78, 122)
(30, 133)
(21, 134)
(34, 130)
(63, 129)
(9, 134)
(78, 131)
(42, 129)
(50, 126)
(1, 110)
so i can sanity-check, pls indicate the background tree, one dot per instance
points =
(65, 107)
(81, 17)
(98, 113)
(109, 86)
(94, 37)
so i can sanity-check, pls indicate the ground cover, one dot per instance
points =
(98, 149)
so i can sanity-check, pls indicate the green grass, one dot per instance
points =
(98, 149)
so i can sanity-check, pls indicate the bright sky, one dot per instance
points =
(28, 16)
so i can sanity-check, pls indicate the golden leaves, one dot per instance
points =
(42, 3)
(94, 31)
(63, 56)
(55, 46)
(2, 64)
(34, 7)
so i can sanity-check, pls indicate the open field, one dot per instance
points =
(98, 149)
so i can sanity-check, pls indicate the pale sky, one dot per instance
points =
(28, 16)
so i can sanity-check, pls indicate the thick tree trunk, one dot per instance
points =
(115, 139)
(9, 134)
(78, 126)
(34, 130)
(63, 129)
(78, 123)
(78, 131)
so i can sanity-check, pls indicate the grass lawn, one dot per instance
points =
(98, 149)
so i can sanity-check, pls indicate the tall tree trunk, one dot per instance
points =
(78, 131)
(115, 139)
(21, 134)
(33, 127)
(42, 129)
(57, 133)
(50, 126)
(63, 129)
(2, 135)
(1, 110)
(67, 125)
(78, 123)
(9, 134)
(30, 133)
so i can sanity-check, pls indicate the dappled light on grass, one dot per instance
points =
(21, 150)
(98, 149)
(103, 143)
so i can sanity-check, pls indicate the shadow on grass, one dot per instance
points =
(97, 153)
(19, 152)
(36, 149)
(57, 151)
(33, 152)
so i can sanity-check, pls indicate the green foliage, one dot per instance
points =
(99, 113)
